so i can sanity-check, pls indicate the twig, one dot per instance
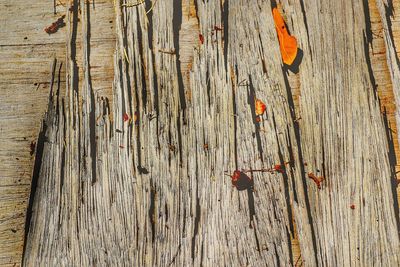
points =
(242, 83)
(172, 52)
(126, 56)
(133, 4)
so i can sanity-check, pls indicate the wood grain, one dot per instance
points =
(26, 53)
(154, 191)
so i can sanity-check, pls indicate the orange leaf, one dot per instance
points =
(287, 43)
(260, 107)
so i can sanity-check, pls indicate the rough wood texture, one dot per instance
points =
(155, 177)
(151, 193)
(343, 137)
(26, 53)
(386, 10)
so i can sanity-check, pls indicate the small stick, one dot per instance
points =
(242, 84)
(126, 56)
(133, 4)
(296, 120)
(260, 170)
(172, 52)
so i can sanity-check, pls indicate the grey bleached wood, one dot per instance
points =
(343, 137)
(151, 191)
(160, 196)
(26, 52)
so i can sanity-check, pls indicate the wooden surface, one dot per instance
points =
(201, 219)
(26, 54)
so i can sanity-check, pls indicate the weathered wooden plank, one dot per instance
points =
(190, 196)
(170, 163)
(343, 137)
(26, 52)
(386, 10)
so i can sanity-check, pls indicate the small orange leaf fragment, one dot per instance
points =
(287, 43)
(260, 107)
(278, 168)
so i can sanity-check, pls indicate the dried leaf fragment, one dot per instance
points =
(201, 38)
(126, 117)
(317, 180)
(260, 107)
(279, 168)
(53, 28)
(287, 43)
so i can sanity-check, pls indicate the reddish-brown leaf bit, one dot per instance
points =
(317, 180)
(279, 168)
(53, 28)
(201, 38)
(33, 146)
(241, 181)
(121, 146)
(352, 206)
(258, 119)
(126, 117)
(216, 28)
(205, 146)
